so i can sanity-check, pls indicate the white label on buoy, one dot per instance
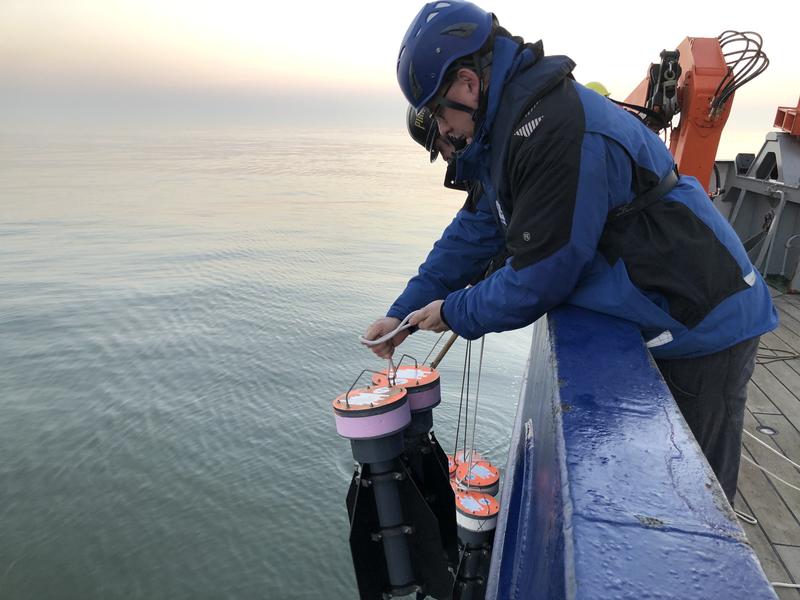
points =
(365, 398)
(479, 471)
(405, 375)
(473, 504)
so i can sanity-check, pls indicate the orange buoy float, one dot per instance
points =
(421, 382)
(476, 512)
(371, 413)
(474, 455)
(453, 462)
(480, 476)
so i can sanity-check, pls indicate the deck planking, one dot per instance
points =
(774, 401)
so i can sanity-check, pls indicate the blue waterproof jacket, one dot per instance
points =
(549, 162)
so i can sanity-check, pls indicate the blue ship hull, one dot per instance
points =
(606, 493)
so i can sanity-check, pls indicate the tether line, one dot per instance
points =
(461, 403)
(466, 403)
(475, 416)
(439, 339)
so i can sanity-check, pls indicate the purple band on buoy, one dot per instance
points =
(425, 400)
(374, 426)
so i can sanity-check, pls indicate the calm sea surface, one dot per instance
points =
(177, 312)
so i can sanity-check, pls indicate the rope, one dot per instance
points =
(461, 402)
(771, 449)
(439, 339)
(466, 406)
(752, 520)
(777, 355)
(475, 417)
(770, 473)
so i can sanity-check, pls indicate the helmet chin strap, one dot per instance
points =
(474, 113)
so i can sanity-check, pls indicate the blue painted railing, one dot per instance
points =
(606, 493)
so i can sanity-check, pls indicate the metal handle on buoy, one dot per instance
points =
(397, 367)
(346, 399)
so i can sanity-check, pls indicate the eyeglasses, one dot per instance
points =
(436, 105)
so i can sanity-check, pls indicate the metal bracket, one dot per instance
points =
(402, 591)
(367, 481)
(392, 531)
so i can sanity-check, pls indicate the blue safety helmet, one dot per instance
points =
(440, 34)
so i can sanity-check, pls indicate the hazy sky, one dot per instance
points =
(304, 62)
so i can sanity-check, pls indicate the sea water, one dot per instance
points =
(177, 312)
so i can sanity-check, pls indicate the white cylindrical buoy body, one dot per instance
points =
(476, 512)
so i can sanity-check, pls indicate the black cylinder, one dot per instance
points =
(417, 443)
(377, 450)
(475, 562)
(470, 589)
(476, 556)
(390, 518)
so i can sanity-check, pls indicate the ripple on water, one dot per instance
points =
(174, 330)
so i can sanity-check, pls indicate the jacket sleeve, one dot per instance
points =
(457, 258)
(559, 189)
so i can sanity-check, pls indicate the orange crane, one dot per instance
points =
(697, 81)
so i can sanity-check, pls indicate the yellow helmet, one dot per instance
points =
(599, 88)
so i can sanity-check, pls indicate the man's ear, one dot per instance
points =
(470, 78)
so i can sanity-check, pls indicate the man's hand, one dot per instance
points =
(381, 327)
(429, 318)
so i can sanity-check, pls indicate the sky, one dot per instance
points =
(307, 63)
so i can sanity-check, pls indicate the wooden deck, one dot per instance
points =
(774, 401)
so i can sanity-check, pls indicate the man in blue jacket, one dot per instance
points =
(588, 203)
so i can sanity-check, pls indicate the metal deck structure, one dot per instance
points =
(774, 402)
